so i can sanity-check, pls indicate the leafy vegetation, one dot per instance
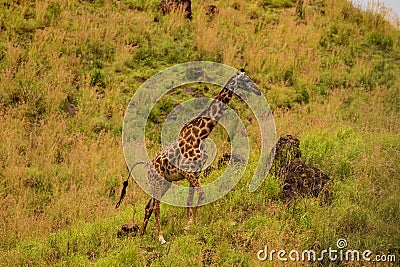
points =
(69, 69)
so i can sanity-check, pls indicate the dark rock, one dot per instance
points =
(286, 149)
(129, 228)
(234, 158)
(299, 179)
(168, 6)
(304, 180)
(212, 11)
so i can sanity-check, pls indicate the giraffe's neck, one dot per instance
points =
(217, 106)
(200, 127)
(224, 96)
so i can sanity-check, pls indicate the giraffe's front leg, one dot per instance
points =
(200, 191)
(194, 184)
(189, 208)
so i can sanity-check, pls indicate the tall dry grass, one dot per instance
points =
(69, 69)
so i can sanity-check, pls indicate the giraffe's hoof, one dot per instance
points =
(187, 228)
(162, 240)
(188, 223)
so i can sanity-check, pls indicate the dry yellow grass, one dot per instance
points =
(69, 69)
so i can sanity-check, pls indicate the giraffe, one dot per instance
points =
(185, 157)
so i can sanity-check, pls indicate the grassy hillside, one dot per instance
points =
(69, 69)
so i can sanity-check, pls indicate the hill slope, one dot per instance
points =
(69, 69)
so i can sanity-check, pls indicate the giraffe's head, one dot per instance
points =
(241, 81)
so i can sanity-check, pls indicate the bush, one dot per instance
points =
(379, 40)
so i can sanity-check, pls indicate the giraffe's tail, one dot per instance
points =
(125, 184)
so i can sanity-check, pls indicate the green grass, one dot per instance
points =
(70, 68)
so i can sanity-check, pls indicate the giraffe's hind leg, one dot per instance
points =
(157, 215)
(159, 186)
(164, 185)
(148, 211)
